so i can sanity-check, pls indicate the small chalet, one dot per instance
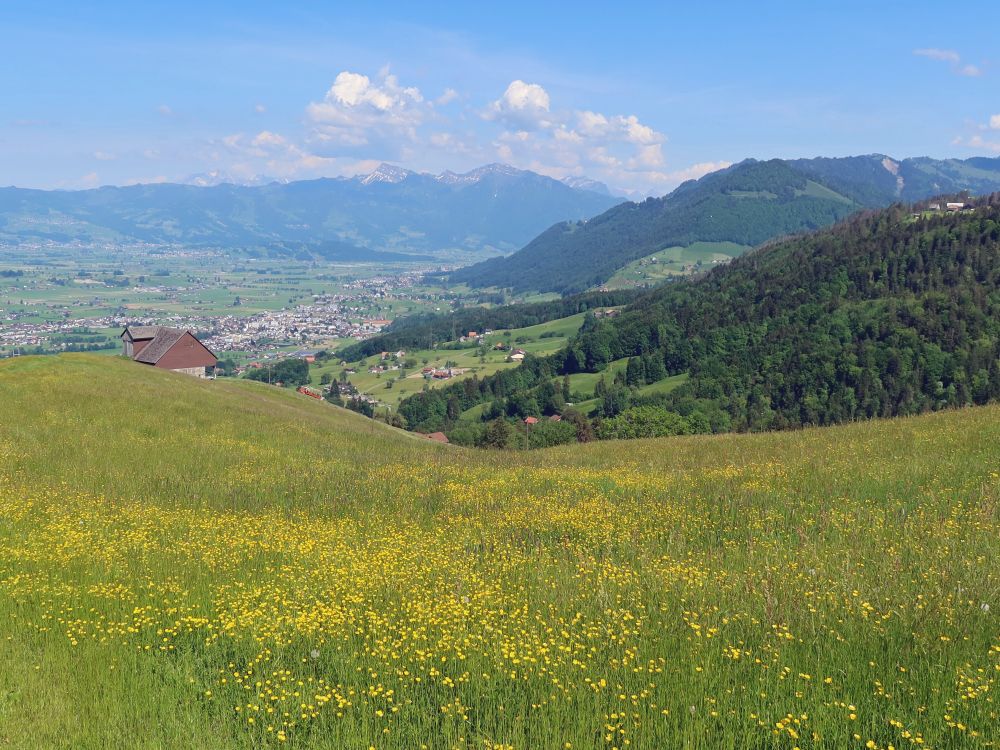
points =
(437, 437)
(173, 349)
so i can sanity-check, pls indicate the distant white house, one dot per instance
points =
(955, 206)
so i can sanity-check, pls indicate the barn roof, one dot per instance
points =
(160, 345)
(141, 333)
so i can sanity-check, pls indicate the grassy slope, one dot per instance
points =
(559, 332)
(161, 539)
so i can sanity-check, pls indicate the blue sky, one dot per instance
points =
(638, 95)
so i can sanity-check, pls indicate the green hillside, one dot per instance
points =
(223, 564)
(748, 204)
(882, 315)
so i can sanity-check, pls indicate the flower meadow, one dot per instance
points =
(224, 564)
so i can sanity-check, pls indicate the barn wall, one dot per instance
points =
(187, 352)
(198, 372)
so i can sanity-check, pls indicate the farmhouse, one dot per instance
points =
(167, 348)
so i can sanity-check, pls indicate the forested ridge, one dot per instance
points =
(749, 203)
(882, 315)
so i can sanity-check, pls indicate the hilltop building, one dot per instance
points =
(172, 349)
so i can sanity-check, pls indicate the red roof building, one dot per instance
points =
(531, 420)
(438, 437)
(172, 349)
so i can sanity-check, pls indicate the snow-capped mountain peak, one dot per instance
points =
(578, 182)
(386, 173)
(217, 177)
(469, 178)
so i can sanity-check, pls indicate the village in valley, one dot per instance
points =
(246, 305)
(249, 313)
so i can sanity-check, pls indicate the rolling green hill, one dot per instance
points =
(747, 204)
(228, 565)
(882, 315)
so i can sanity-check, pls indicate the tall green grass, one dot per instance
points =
(166, 544)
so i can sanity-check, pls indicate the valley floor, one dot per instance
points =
(223, 564)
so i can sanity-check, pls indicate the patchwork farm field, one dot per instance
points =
(224, 564)
(473, 361)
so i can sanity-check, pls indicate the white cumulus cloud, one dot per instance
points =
(617, 148)
(357, 110)
(523, 105)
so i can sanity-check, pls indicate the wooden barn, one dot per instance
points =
(168, 348)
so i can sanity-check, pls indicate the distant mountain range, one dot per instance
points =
(493, 209)
(748, 204)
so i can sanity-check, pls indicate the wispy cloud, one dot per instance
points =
(701, 169)
(978, 142)
(951, 57)
(945, 55)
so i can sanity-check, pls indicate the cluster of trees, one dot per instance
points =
(883, 315)
(528, 390)
(426, 331)
(289, 372)
(506, 433)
